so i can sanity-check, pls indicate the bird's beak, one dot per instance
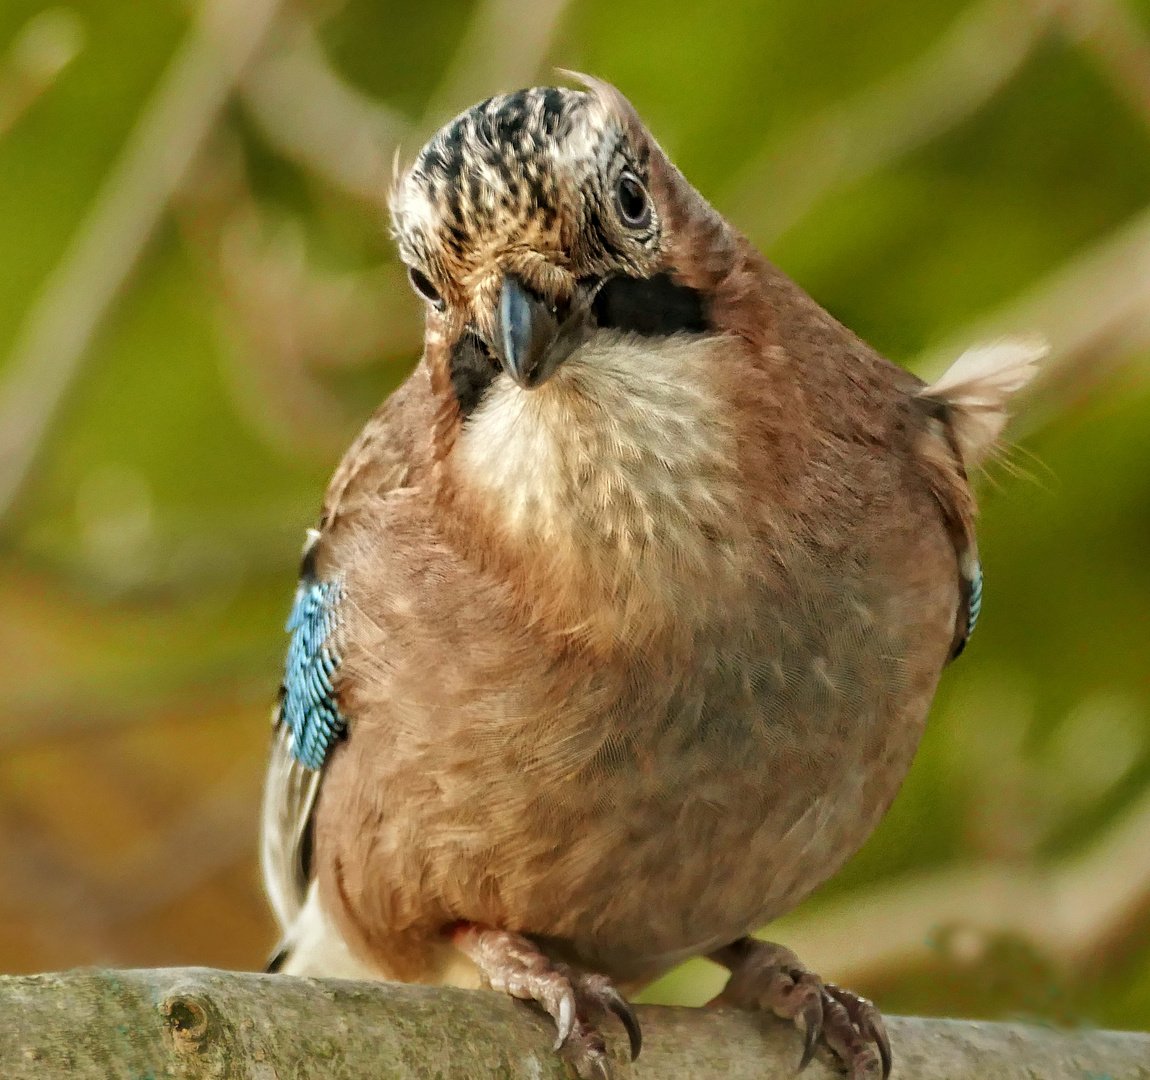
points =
(533, 338)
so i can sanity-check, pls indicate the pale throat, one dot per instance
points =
(623, 464)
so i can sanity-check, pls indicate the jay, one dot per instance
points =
(620, 626)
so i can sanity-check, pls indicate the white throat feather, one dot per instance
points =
(619, 472)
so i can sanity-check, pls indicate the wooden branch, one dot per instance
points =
(192, 1023)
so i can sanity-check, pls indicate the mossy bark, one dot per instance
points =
(190, 1023)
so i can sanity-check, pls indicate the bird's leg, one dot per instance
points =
(765, 976)
(514, 965)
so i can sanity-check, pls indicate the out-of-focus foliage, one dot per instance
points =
(931, 171)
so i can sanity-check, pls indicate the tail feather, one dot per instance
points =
(975, 389)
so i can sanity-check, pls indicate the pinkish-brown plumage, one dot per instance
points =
(633, 659)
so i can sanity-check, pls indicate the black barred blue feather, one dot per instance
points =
(974, 605)
(970, 582)
(309, 706)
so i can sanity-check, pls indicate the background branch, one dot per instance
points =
(62, 322)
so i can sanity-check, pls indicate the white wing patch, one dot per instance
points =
(314, 946)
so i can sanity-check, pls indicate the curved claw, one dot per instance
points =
(603, 1069)
(621, 1007)
(813, 1028)
(565, 1021)
(877, 1031)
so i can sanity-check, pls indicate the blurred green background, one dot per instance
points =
(199, 306)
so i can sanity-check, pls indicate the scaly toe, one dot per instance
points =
(515, 965)
(770, 978)
(852, 1045)
(867, 1020)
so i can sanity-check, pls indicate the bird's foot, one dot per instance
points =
(765, 976)
(514, 965)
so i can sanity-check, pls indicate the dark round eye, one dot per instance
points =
(634, 205)
(422, 285)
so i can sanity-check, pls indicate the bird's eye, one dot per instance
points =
(422, 285)
(634, 205)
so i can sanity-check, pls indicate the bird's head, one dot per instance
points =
(536, 218)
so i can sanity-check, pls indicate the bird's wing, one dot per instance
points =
(967, 410)
(308, 723)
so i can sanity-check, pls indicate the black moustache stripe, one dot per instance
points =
(653, 307)
(473, 369)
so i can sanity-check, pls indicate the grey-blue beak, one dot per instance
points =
(533, 339)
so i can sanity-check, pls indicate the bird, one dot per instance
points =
(619, 628)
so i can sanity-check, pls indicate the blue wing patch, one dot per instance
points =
(974, 605)
(309, 705)
(971, 581)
